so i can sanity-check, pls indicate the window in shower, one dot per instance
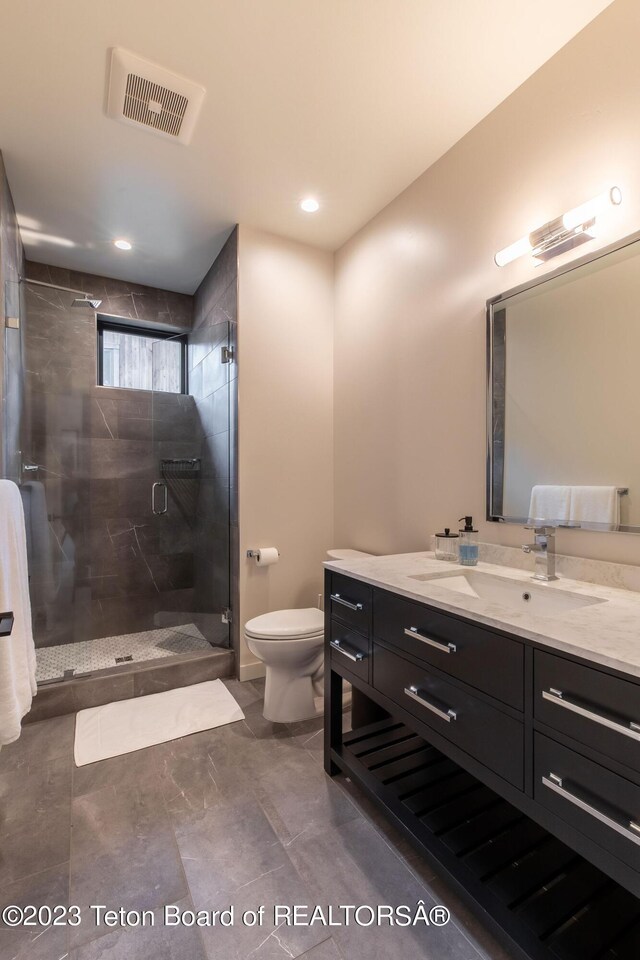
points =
(140, 359)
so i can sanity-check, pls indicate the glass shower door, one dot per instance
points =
(189, 496)
(49, 436)
(114, 579)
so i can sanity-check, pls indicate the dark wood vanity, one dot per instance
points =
(517, 768)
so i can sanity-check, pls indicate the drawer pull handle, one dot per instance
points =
(558, 697)
(356, 657)
(447, 715)
(443, 647)
(630, 831)
(345, 603)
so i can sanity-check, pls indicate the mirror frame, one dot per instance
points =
(496, 404)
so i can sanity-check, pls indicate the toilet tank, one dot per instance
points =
(345, 554)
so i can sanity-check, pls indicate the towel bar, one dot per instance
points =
(6, 624)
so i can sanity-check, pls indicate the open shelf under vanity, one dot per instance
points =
(548, 898)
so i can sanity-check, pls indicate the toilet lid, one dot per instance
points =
(345, 554)
(281, 624)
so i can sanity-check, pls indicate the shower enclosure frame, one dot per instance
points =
(142, 676)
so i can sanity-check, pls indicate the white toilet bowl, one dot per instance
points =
(290, 644)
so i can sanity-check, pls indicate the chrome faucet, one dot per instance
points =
(544, 549)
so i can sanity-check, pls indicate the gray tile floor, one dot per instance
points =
(238, 816)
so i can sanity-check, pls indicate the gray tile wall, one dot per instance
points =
(102, 563)
(11, 267)
(109, 566)
(214, 388)
(133, 301)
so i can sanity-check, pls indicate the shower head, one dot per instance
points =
(86, 301)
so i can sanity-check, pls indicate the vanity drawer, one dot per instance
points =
(486, 660)
(593, 707)
(490, 736)
(350, 650)
(351, 602)
(599, 803)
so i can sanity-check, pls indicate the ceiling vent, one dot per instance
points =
(145, 95)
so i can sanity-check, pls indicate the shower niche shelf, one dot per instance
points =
(183, 468)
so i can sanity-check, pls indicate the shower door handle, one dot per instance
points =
(165, 503)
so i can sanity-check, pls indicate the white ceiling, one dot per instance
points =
(348, 100)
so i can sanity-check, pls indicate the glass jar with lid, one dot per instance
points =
(447, 546)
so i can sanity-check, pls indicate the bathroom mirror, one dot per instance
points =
(564, 396)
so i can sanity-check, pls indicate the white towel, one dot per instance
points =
(550, 502)
(17, 652)
(595, 505)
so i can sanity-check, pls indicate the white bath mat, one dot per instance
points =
(128, 725)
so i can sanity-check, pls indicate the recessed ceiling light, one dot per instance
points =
(309, 205)
(122, 244)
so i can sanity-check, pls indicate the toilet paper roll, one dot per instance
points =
(265, 556)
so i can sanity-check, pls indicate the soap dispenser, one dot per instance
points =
(468, 545)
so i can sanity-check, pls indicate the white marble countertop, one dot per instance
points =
(604, 633)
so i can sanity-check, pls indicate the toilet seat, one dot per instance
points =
(287, 625)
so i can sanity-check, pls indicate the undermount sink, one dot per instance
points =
(545, 601)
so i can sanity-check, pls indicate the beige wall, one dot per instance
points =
(285, 350)
(411, 287)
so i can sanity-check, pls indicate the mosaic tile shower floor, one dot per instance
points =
(104, 652)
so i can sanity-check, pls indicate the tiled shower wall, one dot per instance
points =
(103, 564)
(11, 267)
(133, 301)
(214, 388)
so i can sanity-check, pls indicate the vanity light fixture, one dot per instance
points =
(309, 205)
(122, 244)
(570, 230)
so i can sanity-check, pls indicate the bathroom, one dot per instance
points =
(305, 296)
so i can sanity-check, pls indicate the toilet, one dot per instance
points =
(290, 643)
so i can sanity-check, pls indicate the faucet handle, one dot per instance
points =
(541, 529)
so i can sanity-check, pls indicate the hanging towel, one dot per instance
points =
(17, 652)
(550, 503)
(595, 505)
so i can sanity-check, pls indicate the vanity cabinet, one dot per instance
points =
(597, 801)
(350, 649)
(350, 603)
(516, 768)
(472, 723)
(592, 707)
(487, 661)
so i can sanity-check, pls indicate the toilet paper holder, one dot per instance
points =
(253, 554)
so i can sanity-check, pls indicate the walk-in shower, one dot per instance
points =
(125, 487)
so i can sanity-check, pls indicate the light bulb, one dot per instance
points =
(517, 249)
(122, 244)
(310, 205)
(591, 209)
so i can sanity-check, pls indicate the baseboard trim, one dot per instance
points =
(251, 671)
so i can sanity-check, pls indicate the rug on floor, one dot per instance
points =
(128, 725)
